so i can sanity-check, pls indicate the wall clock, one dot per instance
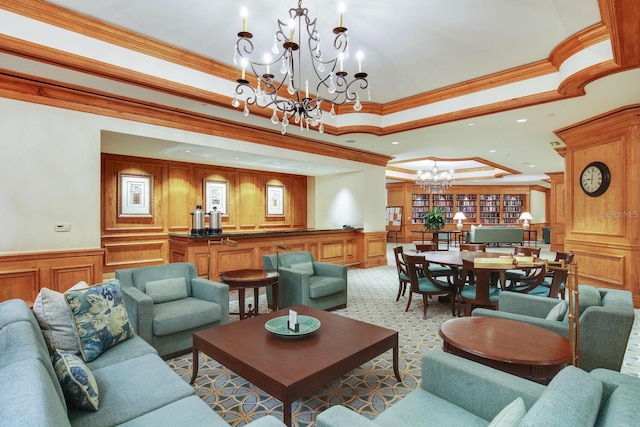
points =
(595, 179)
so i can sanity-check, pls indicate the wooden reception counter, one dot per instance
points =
(212, 255)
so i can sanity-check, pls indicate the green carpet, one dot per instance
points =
(367, 390)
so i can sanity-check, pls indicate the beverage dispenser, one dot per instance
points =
(197, 222)
(215, 222)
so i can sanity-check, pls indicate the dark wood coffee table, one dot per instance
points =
(289, 369)
(518, 348)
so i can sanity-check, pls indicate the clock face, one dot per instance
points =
(595, 179)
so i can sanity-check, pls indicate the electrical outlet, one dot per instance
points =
(63, 226)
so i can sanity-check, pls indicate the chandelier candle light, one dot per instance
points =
(331, 82)
(435, 181)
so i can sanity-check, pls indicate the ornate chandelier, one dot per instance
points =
(330, 82)
(435, 181)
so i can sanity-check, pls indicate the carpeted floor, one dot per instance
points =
(367, 390)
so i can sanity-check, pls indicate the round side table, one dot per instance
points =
(251, 279)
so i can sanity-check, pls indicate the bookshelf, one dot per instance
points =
(445, 203)
(419, 205)
(467, 204)
(489, 208)
(512, 207)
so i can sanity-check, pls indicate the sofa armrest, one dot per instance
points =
(210, 290)
(477, 388)
(293, 286)
(339, 416)
(140, 311)
(330, 270)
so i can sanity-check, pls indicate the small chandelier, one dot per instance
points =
(435, 181)
(330, 83)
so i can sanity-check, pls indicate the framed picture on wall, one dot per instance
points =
(275, 200)
(135, 195)
(215, 196)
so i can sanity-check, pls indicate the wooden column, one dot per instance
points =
(604, 231)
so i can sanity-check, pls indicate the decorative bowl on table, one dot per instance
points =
(279, 326)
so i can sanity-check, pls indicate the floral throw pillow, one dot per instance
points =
(100, 318)
(77, 381)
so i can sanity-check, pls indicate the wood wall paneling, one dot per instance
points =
(23, 275)
(22, 283)
(178, 188)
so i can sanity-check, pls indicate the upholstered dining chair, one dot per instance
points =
(512, 277)
(567, 259)
(426, 247)
(436, 269)
(530, 282)
(403, 274)
(475, 247)
(478, 293)
(424, 283)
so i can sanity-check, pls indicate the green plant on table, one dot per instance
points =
(433, 219)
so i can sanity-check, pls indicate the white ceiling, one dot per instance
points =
(411, 47)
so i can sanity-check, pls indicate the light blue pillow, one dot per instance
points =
(558, 311)
(303, 267)
(166, 290)
(77, 381)
(100, 318)
(511, 415)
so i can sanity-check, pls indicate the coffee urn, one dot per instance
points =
(215, 222)
(197, 222)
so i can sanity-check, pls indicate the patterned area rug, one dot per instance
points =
(367, 390)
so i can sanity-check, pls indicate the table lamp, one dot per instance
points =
(526, 216)
(459, 216)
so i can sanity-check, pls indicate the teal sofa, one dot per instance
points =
(606, 319)
(305, 281)
(136, 387)
(167, 319)
(459, 392)
(496, 234)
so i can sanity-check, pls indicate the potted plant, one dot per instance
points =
(433, 219)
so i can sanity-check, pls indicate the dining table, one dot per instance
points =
(456, 260)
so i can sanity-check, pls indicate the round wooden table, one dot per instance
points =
(518, 348)
(251, 279)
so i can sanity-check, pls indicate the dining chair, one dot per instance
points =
(426, 247)
(403, 275)
(436, 269)
(531, 281)
(567, 258)
(424, 283)
(512, 277)
(478, 293)
(475, 247)
(555, 280)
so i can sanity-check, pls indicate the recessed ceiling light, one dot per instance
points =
(395, 143)
(471, 124)
(187, 151)
(492, 151)
(237, 157)
(532, 166)
(276, 163)
(521, 120)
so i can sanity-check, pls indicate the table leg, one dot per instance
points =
(195, 362)
(256, 302)
(286, 412)
(274, 291)
(241, 303)
(395, 363)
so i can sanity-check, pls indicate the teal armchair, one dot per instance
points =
(167, 303)
(606, 319)
(305, 281)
